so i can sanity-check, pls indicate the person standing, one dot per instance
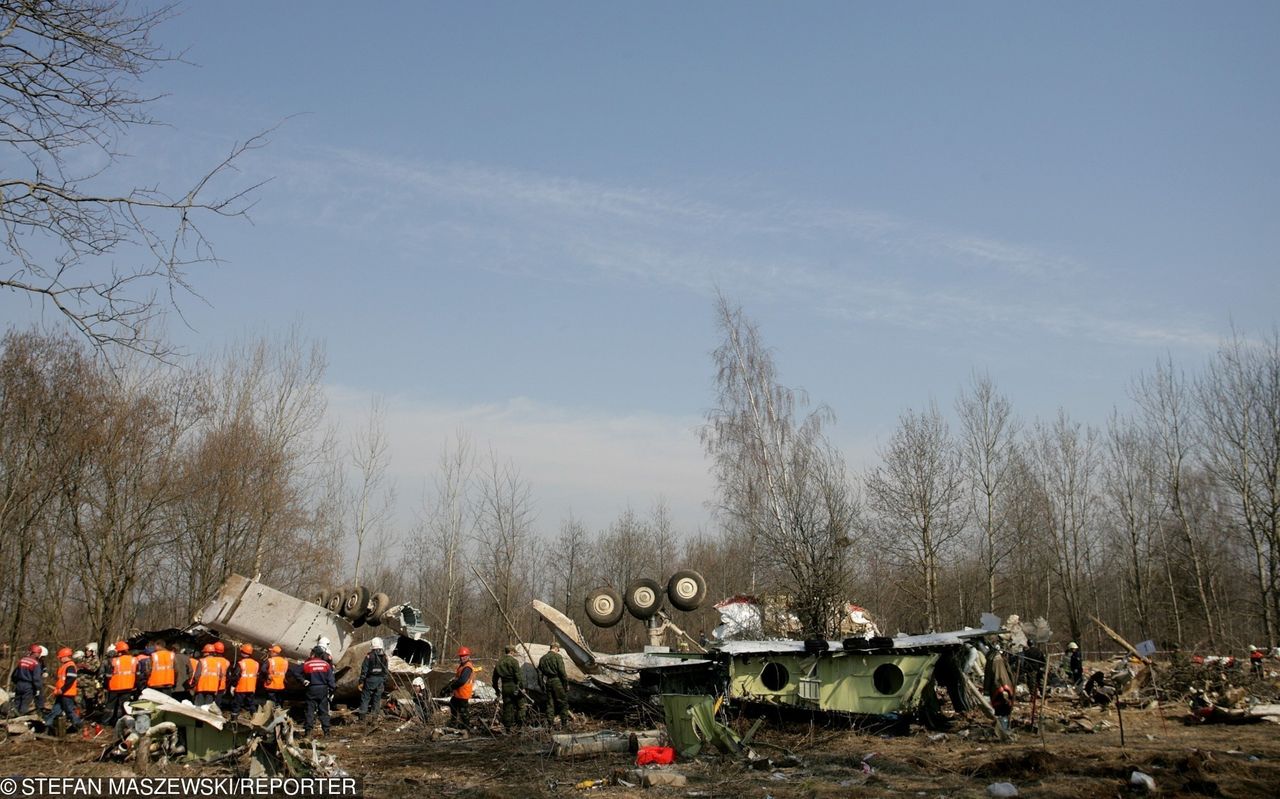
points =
(28, 681)
(509, 680)
(163, 676)
(277, 668)
(243, 679)
(207, 676)
(373, 676)
(1075, 664)
(317, 676)
(460, 690)
(121, 675)
(554, 682)
(1255, 660)
(64, 691)
(997, 684)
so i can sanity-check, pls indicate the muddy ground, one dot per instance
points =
(1062, 761)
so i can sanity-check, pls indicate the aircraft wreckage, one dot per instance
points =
(865, 676)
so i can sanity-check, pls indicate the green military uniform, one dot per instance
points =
(554, 680)
(510, 682)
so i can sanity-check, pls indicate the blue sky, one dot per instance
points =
(514, 216)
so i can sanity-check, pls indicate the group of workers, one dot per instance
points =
(86, 685)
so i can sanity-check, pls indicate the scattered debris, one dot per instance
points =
(1142, 782)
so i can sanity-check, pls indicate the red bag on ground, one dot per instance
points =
(655, 756)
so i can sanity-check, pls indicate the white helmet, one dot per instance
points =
(92, 646)
(1253, 648)
(418, 682)
(1072, 645)
(76, 655)
(323, 643)
(376, 643)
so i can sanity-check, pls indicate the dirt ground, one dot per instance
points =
(1062, 761)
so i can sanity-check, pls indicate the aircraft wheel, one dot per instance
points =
(604, 607)
(686, 590)
(643, 598)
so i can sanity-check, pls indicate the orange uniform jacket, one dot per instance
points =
(248, 682)
(162, 671)
(124, 673)
(277, 667)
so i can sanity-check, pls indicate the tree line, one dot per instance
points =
(129, 493)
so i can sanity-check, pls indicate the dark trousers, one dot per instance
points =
(371, 697)
(277, 697)
(63, 706)
(115, 705)
(242, 702)
(24, 694)
(317, 706)
(459, 714)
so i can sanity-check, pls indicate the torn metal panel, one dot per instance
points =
(246, 610)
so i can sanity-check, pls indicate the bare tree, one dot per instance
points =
(782, 486)
(1065, 458)
(1165, 401)
(1239, 398)
(988, 438)
(374, 497)
(918, 495)
(446, 525)
(504, 554)
(1133, 500)
(569, 565)
(69, 71)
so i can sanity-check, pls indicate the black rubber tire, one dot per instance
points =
(355, 602)
(643, 598)
(334, 602)
(321, 598)
(379, 604)
(686, 590)
(604, 607)
(815, 646)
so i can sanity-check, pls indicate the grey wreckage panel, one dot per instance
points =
(245, 610)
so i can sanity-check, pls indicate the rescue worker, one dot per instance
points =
(243, 679)
(317, 675)
(143, 664)
(1033, 664)
(509, 681)
(89, 684)
(422, 704)
(1075, 664)
(1255, 660)
(121, 676)
(207, 676)
(65, 691)
(997, 684)
(554, 682)
(460, 690)
(277, 668)
(373, 678)
(163, 674)
(28, 681)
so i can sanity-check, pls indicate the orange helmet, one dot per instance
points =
(64, 652)
(121, 646)
(246, 649)
(34, 649)
(275, 649)
(463, 652)
(218, 647)
(208, 649)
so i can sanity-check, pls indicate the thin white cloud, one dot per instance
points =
(848, 262)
